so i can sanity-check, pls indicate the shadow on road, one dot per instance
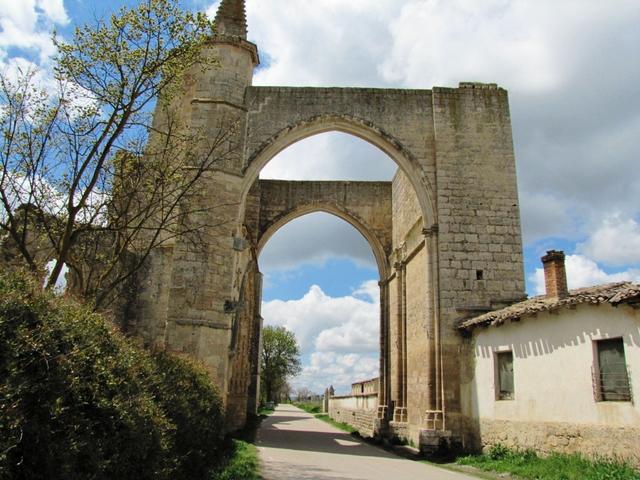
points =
(287, 432)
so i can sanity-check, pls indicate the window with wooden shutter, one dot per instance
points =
(504, 381)
(611, 378)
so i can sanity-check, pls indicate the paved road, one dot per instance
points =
(294, 445)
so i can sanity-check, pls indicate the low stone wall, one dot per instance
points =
(588, 440)
(359, 411)
(399, 431)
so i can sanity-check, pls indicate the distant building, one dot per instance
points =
(559, 372)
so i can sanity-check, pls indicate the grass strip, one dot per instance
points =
(242, 463)
(265, 412)
(309, 407)
(528, 465)
(315, 409)
(342, 426)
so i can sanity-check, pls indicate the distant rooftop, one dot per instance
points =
(612, 293)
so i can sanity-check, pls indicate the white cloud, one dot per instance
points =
(314, 239)
(616, 242)
(344, 39)
(340, 336)
(27, 25)
(317, 313)
(54, 10)
(339, 370)
(545, 215)
(368, 290)
(584, 272)
(330, 156)
(442, 42)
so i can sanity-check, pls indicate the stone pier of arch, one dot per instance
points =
(445, 232)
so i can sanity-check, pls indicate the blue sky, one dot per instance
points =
(572, 71)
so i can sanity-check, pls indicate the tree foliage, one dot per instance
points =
(279, 360)
(79, 401)
(87, 178)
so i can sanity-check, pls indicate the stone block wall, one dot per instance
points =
(477, 249)
(358, 411)
(547, 437)
(366, 205)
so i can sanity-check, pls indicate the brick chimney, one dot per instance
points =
(555, 276)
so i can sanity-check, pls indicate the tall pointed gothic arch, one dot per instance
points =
(454, 243)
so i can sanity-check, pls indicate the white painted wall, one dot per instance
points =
(552, 359)
(356, 402)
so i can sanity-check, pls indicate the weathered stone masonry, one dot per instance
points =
(445, 232)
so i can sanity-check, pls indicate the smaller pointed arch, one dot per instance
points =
(231, 18)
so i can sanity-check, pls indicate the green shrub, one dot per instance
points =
(309, 407)
(498, 452)
(79, 401)
(192, 404)
(242, 463)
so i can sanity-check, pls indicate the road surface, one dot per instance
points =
(294, 445)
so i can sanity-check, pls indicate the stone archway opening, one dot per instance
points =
(361, 199)
(327, 296)
(388, 214)
(261, 154)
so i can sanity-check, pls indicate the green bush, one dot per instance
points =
(309, 407)
(192, 404)
(242, 463)
(79, 401)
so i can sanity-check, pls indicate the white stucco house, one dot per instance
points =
(558, 372)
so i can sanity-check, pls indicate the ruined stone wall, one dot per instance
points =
(394, 340)
(417, 341)
(479, 240)
(191, 296)
(409, 248)
(454, 210)
(242, 353)
(392, 119)
(366, 205)
(407, 216)
(478, 248)
(366, 387)
(359, 411)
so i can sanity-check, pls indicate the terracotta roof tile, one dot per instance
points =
(612, 293)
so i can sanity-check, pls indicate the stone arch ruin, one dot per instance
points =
(445, 232)
(364, 205)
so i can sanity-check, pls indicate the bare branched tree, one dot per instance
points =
(87, 178)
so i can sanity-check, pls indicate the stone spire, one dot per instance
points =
(231, 18)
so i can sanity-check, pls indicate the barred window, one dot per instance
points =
(504, 384)
(611, 378)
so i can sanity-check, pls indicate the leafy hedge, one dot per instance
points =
(80, 401)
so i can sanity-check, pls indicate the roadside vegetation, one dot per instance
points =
(315, 409)
(264, 411)
(528, 465)
(79, 400)
(345, 427)
(279, 360)
(310, 407)
(241, 464)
